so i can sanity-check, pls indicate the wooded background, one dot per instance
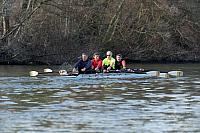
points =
(55, 31)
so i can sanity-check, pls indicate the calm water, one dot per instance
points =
(58, 104)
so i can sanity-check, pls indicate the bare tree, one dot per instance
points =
(6, 12)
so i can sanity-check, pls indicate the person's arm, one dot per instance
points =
(103, 63)
(92, 64)
(77, 64)
(88, 64)
(74, 70)
(124, 64)
(112, 63)
(99, 64)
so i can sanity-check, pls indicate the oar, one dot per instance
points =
(65, 73)
(176, 73)
(45, 71)
(138, 71)
(171, 74)
(34, 73)
(164, 74)
(155, 73)
(48, 70)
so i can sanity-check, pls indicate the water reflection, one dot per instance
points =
(57, 104)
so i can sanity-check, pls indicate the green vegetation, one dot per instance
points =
(54, 31)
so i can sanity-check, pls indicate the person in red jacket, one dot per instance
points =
(96, 62)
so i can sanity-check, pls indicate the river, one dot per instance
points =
(58, 104)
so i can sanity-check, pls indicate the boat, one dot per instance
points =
(116, 74)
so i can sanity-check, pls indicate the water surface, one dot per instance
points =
(59, 104)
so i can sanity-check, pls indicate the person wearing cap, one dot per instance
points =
(119, 62)
(84, 65)
(109, 62)
(96, 63)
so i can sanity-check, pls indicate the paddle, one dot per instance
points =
(164, 74)
(35, 73)
(47, 70)
(136, 71)
(62, 70)
(153, 73)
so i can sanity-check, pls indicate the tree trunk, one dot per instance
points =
(6, 11)
(26, 5)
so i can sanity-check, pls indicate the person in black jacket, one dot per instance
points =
(119, 62)
(84, 65)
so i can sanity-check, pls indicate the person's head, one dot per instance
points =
(84, 56)
(118, 57)
(96, 56)
(109, 54)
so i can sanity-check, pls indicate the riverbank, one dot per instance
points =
(143, 31)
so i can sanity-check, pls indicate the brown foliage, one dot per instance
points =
(54, 31)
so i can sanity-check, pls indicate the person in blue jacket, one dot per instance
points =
(84, 65)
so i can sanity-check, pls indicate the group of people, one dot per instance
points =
(85, 65)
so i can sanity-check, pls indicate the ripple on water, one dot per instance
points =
(53, 104)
